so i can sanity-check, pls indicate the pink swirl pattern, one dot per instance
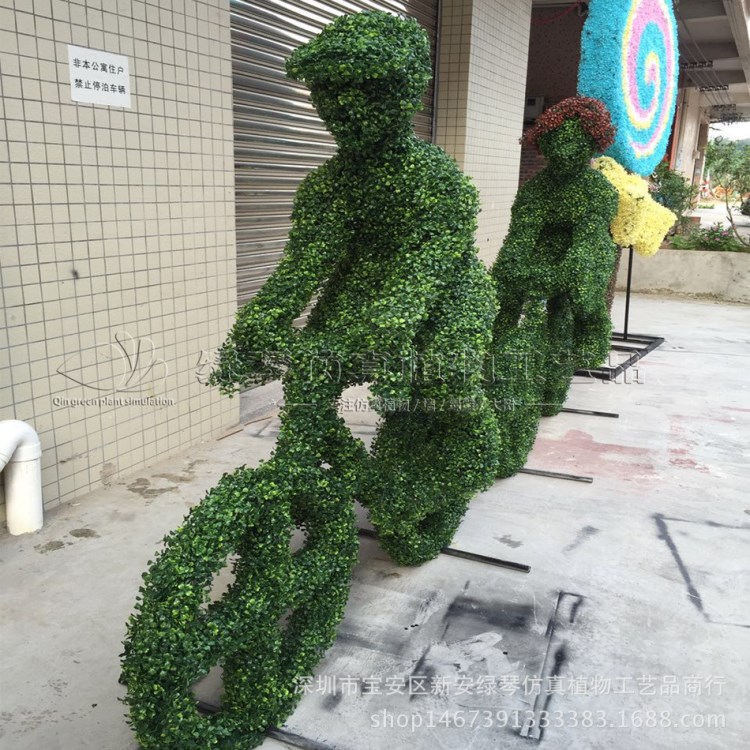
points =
(642, 14)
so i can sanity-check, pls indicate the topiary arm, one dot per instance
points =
(262, 333)
(587, 268)
(417, 279)
(516, 261)
(414, 284)
(589, 262)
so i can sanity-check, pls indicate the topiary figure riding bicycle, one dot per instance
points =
(382, 236)
(551, 275)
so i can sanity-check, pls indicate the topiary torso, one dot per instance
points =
(383, 214)
(554, 211)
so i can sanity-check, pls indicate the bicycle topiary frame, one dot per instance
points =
(383, 234)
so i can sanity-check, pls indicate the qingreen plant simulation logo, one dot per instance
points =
(126, 365)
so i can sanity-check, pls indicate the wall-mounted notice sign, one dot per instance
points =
(98, 77)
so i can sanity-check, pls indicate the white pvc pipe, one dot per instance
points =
(21, 465)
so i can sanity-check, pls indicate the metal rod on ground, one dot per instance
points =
(296, 740)
(627, 294)
(453, 552)
(591, 412)
(556, 475)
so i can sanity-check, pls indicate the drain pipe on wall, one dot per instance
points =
(21, 466)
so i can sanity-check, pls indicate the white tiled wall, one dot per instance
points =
(481, 94)
(114, 221)
(121, 221)
(453, 59)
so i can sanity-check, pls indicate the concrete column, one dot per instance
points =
(690, 121)
(482, 65)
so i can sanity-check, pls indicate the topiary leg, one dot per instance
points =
(561, 364)
(426, 468)
(515, 384)
(177, 635)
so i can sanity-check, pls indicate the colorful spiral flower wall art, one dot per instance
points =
(629, 60)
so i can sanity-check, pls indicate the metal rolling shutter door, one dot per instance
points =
(278, 137)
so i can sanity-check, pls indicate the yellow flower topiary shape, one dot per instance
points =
(640, 222)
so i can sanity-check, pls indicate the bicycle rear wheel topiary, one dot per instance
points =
(270, 627)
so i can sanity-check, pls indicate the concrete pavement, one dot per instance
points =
(632, 629)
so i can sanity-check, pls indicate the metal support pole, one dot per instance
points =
(556, 475)
(627, 294)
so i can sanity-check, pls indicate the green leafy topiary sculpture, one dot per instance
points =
(551, 275)
(383, 235)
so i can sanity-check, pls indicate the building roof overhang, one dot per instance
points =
(714, 53)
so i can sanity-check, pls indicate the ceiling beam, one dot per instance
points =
(728, 63)
(549, 3)
(724, 77)
(700, 10)
(711, 50)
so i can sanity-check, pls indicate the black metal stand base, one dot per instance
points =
(637, 345)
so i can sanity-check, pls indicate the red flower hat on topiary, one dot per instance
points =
(592, 113)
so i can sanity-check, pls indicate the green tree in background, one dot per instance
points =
(673, 191)
(728, 163)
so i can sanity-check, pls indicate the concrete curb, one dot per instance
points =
(720, 275)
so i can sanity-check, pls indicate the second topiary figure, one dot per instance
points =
(552, 274)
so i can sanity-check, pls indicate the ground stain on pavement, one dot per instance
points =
(42, 549)
(107, 472)
(466, 615)
(508, 540)
(30, 720)
(578, 451)
(84, 533)
(331, 701)
(585, 533)
(142, 487)
(117, 515)
(187, 475)
(58, 686)
(681, 448)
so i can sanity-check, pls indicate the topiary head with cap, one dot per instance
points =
(366, 73)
